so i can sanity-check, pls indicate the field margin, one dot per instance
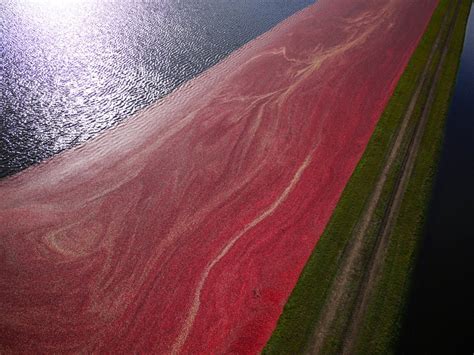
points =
(304, 306)
(385, 314)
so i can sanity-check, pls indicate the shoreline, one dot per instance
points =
(191, 235)
(337, 336)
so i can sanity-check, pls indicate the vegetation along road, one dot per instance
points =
(351, 294)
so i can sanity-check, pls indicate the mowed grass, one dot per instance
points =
(382, 323)
(304, 306)
(336, 334)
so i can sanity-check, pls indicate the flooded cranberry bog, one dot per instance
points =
(186, 227)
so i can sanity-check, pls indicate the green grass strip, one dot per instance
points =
(381, 326)
(336, 334)
(302, 311)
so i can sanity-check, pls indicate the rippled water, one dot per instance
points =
(71, 68)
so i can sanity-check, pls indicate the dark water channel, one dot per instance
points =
(72, 68)
(441, 309)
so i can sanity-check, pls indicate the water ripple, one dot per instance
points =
(70, 69)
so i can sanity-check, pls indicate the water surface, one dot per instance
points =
(70, 69)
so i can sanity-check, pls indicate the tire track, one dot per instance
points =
(338, 295)
(373, 272)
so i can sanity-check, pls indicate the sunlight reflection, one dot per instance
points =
(73, 68)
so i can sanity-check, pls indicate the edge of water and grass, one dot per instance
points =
(381, 325)
(304, 307)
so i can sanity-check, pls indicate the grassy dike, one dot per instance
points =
(339, 329)
(303, 308)
(382, 322)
